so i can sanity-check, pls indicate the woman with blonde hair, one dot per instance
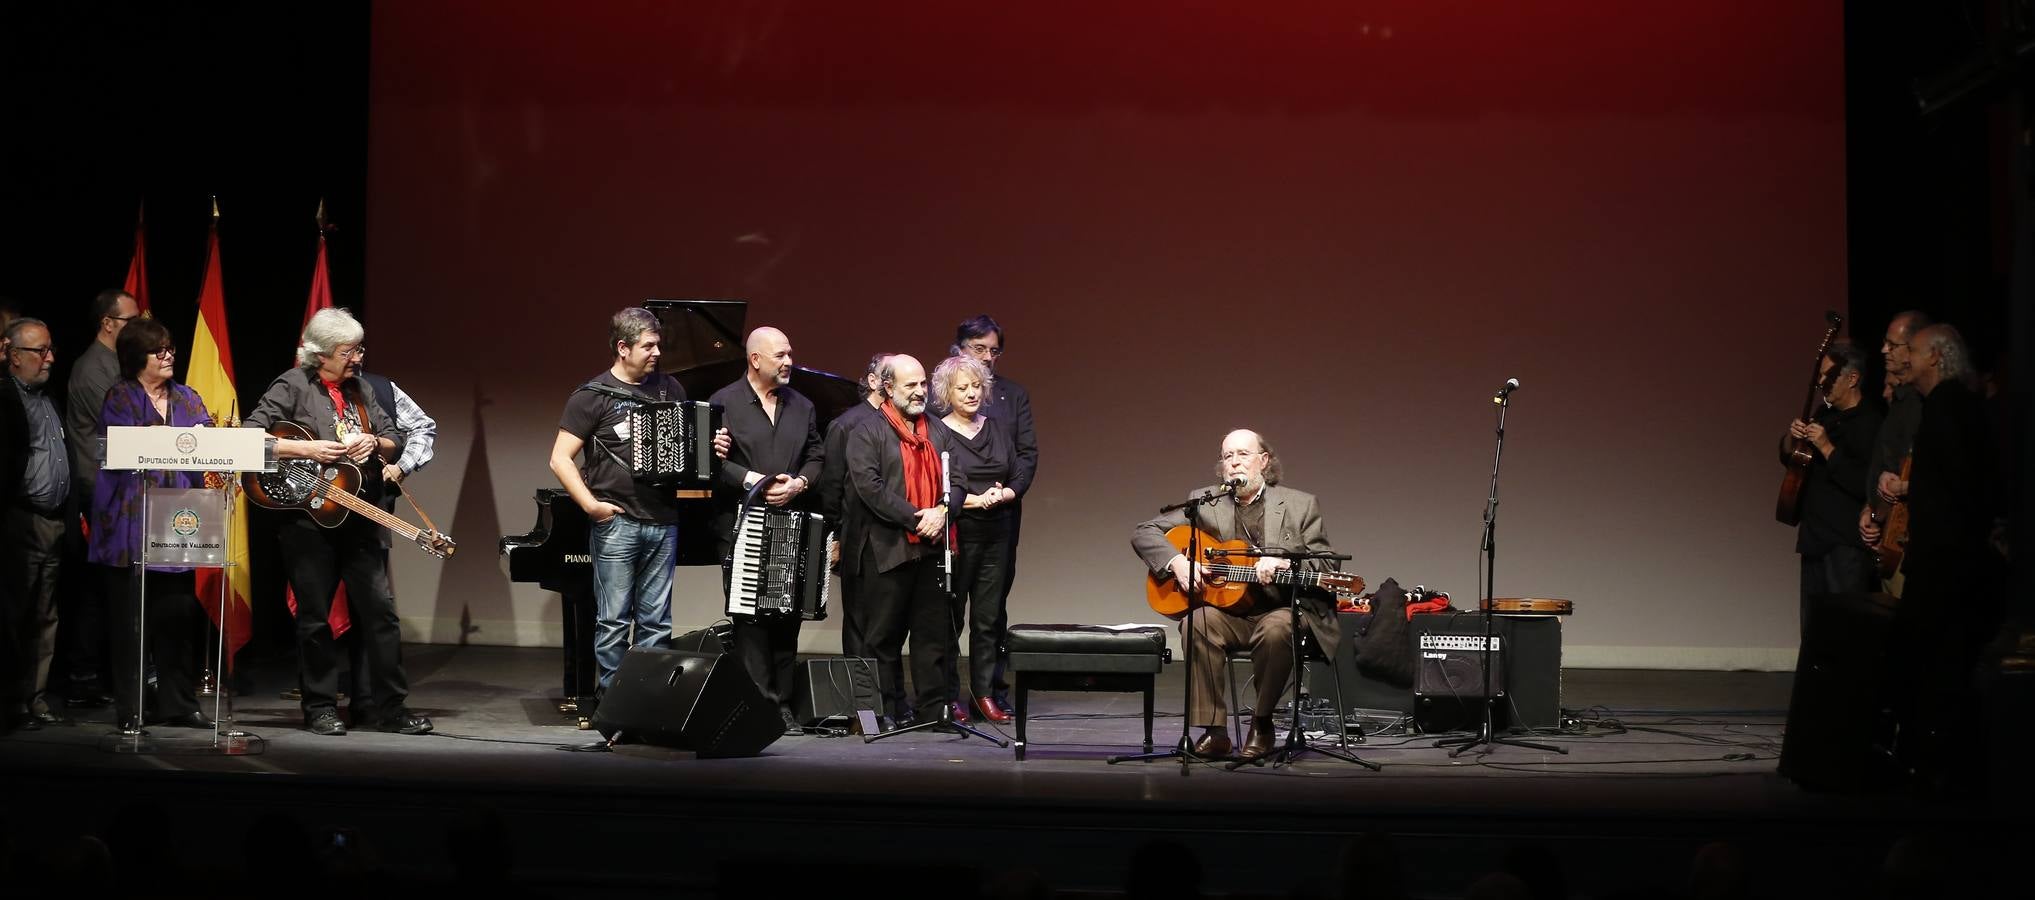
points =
(984, 461)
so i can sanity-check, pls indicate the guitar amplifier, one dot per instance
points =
(1526, 671)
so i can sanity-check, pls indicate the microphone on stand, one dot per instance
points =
(1511, 384)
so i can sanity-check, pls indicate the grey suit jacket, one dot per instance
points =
(1292, 522)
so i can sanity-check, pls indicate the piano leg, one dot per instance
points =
(580, 678)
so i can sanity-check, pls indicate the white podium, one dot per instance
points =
(186, 528)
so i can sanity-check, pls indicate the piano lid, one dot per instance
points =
(703, 350)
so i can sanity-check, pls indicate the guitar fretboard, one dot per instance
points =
(319, 487)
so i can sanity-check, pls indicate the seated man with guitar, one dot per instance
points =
(1237, 607)
(322, 414)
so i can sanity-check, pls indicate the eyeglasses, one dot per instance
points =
(982, 349)
(1238, 454)
(354, 353)
(164, 353)
(1886, 346)
(122, 318)
(39, 351)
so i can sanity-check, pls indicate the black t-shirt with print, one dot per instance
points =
(601, 421)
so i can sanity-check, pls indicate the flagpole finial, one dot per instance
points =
(140, 212)
(320, 218)
(215, 209)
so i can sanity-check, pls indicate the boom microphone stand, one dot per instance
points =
(1184, 750)
(1488, 736)
(1296, 741)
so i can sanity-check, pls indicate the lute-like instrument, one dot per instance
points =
(1800, 454)
(1228, 584)
(328, 492)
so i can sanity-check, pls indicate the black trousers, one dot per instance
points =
(908, 600)
(172, 637)
(1839, 570)
(319, 560)
(977, 611)
(768, 648)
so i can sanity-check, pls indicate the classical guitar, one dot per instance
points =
(1788, 509)
(328, 492)
(1228, 584)
(1892, 518)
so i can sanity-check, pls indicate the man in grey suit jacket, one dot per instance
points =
(1265, 514)
(891, 536)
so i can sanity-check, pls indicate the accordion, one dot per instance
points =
(779, 564)
(673, 441)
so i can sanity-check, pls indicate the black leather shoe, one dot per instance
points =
(792, 727)
(403, 721)
(326, 723)
(192, 720)
(43, 717)
(88, 698)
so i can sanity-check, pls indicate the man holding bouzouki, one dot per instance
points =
(323, 415)
(1840, 435)
(1239, 606)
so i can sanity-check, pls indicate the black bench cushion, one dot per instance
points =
(1086, 649)
(1145, 639)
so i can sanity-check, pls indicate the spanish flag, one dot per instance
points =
(211, 375)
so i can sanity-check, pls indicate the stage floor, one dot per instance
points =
(1662, 762)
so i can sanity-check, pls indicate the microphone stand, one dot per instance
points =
(1488, 737)
(1184, 749)
(1296, 740)
(946, 720)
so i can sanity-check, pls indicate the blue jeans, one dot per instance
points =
(632, 586)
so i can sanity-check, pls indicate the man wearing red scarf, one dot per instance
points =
(894, 523)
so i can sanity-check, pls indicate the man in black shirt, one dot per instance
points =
(1904, 409)
(1946, 613)
(1834, 560)
(774, 448)
(324, 393)
(634, 524)
(834, 492)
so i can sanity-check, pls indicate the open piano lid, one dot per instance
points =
(702, 342)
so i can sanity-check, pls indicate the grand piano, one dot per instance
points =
(702, 341)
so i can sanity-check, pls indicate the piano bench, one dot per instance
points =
(1085, 658)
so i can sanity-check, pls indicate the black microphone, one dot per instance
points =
(1511, 384)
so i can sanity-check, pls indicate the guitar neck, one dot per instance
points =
(372, 512)
(1229, 572)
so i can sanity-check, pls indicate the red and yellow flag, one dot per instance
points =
(211, 375)
(340, 618)
(137, 267)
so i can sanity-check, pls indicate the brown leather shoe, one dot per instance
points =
(1214, 744)
(1262, 738)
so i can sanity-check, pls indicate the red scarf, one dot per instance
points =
(921, 463)
(338, 398)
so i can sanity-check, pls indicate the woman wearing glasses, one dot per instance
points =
(147, 394)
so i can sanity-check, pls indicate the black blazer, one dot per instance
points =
(1010, 402)
(833, 484)
(876, 517)
(14, 444)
